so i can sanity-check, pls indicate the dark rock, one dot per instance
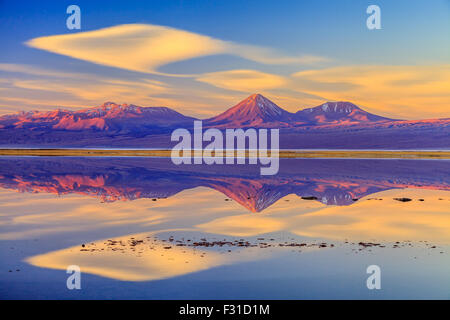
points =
(309, 198)
(403, 199)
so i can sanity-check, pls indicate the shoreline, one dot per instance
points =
(356, 154)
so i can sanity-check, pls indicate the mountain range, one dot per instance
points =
(332, 125)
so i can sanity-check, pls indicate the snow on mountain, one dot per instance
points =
(337, 112)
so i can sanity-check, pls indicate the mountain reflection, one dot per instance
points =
(331, 181)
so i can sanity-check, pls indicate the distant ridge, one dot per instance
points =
(254, 111)
(108, 116)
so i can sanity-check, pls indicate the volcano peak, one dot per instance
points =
(255, 110)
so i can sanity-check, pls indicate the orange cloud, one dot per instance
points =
(397, 91)
(146, 47)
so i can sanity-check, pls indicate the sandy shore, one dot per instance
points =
(282, 154)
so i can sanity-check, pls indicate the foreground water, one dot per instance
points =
(145, 228)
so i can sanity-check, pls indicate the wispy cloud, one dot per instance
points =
(146, 47)
(35, 71)
(243, 80)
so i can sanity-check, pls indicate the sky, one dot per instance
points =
(202, 57)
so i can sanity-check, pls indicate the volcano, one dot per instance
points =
(254, 111)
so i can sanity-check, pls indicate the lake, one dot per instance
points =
(144, 228)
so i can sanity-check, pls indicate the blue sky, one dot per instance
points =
(414, 36)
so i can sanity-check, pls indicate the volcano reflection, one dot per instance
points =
(331, 181)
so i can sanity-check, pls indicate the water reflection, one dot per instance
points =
(338, 182)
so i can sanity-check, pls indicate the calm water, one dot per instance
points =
(153, 230)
